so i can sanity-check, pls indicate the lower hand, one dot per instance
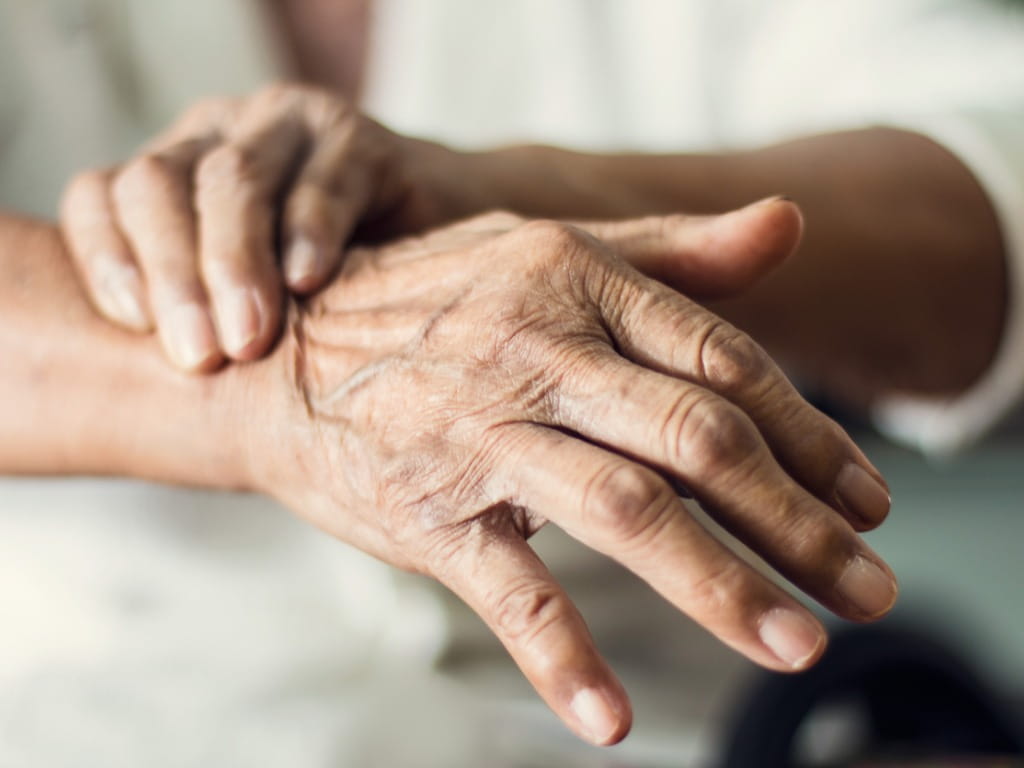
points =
(448, 395)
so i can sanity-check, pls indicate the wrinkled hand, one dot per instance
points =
(185, 236)
(448, 395)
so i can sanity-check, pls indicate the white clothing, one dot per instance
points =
(688, 75)
(198, 594)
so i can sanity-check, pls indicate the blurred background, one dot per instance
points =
(168, 627)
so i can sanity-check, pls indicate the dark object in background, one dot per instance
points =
(882, 695)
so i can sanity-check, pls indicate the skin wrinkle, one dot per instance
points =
(420, 439)
(433, 461)
(527, 393)
(730, 457)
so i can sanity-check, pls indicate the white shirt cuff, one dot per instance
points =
(991, 145)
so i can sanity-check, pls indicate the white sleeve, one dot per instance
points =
(991, 144)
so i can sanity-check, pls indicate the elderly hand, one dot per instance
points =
(186, 235)
(448, 395)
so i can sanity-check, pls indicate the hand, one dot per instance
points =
(448, 395)
(184, 236)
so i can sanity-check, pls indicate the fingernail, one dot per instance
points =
(791, 636)
(596, 714)
(119, 291)
(239, 319)
(772, 199)
(867, 587)
(860, 494)
(301, 262)
(188, 335)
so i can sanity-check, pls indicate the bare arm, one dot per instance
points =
(79, 396)
(899, 283)
(446, 396)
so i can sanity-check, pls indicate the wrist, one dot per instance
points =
(550, 182)
(446, 184)
(80, 396)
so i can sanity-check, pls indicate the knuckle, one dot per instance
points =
(145, 175)
(312, 206)
(709, 435)
(285, 90)
(321, 106)
(815, 542)
(730, 360)
(229, 166)
(526, 608)
(209, 110)
(626, 502)
(550, 242)
(669, 226)
(720, 590)
(274, 94)
(86, 183)
(84, 190)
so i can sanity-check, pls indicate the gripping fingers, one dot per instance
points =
(100, 253)
(154, 208)
(329, 196)
(500, 577)
(236, 187)
(629, 513)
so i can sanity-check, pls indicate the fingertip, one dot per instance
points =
(869, 587)
(793, 636)
(781, 225)
(303, 265)
(118, 291)
(862, 496)
(247, 315)
(240, 321)
(188, 337)
(603, 717)
(740, 247)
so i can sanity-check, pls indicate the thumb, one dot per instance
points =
(707, 257)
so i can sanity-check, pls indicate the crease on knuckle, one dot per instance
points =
(549, 244)
(813, 542)
(208, 111)
(709, 436)
(527, 608)
(627, 503)
(229, 167)
(729, 361)
(146, 175)
(719, 591)
(283, 91)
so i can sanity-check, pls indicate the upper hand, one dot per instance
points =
(448, 395)
(185, 236)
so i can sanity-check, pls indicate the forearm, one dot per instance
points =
(79, 396)
(898, 285)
